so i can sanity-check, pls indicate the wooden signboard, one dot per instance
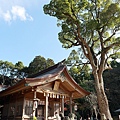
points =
(56, 85)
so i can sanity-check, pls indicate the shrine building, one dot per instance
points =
(40, 95)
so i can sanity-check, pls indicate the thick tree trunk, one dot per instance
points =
(101, 96)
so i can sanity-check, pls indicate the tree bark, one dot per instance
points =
(101, 96)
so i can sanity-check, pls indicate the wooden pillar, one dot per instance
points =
(71, 103)
(34, 103)
(62, 105)
(46, 106)
(23, 109)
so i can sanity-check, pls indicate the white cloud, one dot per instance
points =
(14, 13)
(20, 12)
(7, 16)
(7, 4)
(18, 9)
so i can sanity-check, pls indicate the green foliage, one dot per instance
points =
(94, 21)
(115, 64)
(19, 65)
(112, 86)
(83, 77)
(81, 73)
(73, 59)
(34, 118)
(38, 64)
(5, 70)
(83, 108)
(50, 62)
(9, 72)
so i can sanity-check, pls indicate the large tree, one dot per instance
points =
(91, 25)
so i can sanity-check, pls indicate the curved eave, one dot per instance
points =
(78, 91)
(16, 88)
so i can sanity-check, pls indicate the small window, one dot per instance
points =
(19, 110)
(28, 107)
(11, 109)
(5, 110)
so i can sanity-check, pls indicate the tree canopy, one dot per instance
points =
(92, 26)
(11, 73)
(39, 63)
(86, 23)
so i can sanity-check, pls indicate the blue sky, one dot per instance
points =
(26, 32)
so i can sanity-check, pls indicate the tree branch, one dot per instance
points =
(73, 44)
(110, 46)
(84, 46)
(109, 38)
(101, 40)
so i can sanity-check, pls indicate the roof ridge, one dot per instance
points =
(48, 69)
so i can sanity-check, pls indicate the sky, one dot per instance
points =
(26, 32)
